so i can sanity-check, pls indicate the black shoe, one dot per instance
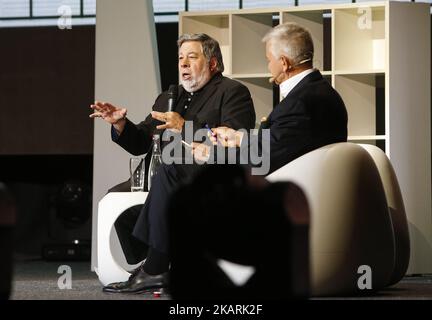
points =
(133, 273)
(138, 282)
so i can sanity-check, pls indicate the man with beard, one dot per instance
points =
(206, 98)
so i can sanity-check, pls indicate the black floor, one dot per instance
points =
(38, 280)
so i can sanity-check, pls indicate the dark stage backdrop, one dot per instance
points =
(167, 34)
(47, 85)
(46, 137)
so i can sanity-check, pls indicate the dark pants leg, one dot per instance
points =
(133, 226)
(143, 229)
(151, 223)
(134, 249)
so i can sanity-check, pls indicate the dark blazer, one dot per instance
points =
(310, 116)
(221, 102)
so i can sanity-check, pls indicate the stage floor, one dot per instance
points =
(38, 280)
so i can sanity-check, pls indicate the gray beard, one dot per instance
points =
(193, 85)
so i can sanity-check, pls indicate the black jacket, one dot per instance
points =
(221, 102)
(311, 115)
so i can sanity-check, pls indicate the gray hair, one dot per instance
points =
(290, 40)
(210, 47)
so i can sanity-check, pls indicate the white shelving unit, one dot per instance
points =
(377, 56)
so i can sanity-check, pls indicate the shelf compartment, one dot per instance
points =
(359, 38)
(353, 72)
(248, 50)
(262, 95)
(364, 99)
(250, 75)
(216, 26)
(364, 138)
(319, 28)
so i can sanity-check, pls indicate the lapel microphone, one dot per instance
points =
(273, 79)
(172, 97)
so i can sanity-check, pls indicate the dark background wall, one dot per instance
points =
(46, 137)
(47, 82)
(167, 34)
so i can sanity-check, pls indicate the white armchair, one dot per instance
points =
(357, 216)
(111, 263)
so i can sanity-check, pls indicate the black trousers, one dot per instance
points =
(144, 226)
(134, 249)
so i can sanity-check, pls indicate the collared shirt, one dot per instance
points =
(286, 86)
(183, 105)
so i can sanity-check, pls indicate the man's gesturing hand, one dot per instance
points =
(108, 112)
(172, 120)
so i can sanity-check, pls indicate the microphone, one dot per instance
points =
(172, 97)
(273, 79)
